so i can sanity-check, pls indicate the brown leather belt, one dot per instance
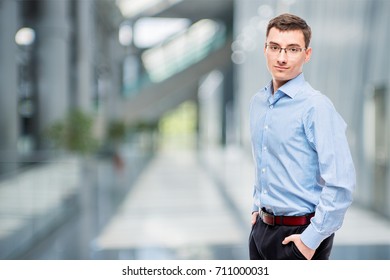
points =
(272, 220)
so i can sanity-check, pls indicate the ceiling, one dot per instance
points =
(200, 9)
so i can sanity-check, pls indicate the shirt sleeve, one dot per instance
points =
(325, 131)
(255, 208)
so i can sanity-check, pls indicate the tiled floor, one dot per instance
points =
(176, 205)
(184, 205)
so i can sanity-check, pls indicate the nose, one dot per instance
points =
(282, 56)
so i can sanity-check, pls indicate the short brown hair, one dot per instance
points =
(286, 22)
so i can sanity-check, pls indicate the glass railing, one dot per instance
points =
(179, 53)
(58, 192)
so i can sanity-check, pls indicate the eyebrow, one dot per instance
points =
(290, 45)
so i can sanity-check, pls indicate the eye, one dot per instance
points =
(294, 49)
(274, 48)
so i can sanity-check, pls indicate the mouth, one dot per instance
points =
(280, 68)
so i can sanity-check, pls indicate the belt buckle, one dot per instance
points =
(265, 214)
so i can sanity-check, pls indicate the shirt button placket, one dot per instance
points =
(264, 148)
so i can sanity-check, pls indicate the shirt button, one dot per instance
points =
(263, 170)
(265, 192)
(266, 127)
(271, 106)
(265, 148)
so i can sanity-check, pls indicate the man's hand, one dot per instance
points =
(254, 217)
(306, 251)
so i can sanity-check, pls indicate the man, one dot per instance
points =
(304, 171)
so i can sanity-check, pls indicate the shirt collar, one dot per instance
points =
(290, 88)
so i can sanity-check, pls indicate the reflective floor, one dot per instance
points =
(183, 205)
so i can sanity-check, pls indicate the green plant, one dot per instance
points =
(74, 133)
(116, 131)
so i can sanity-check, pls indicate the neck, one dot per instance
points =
(276, 85)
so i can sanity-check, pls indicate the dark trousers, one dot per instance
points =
(265, 243)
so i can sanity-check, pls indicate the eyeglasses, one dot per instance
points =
(291, 51)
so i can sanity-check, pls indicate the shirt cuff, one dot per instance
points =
(311, 238)
(255, 208)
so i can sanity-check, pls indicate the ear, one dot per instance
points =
(308, 54)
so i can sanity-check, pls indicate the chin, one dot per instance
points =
(281, 78)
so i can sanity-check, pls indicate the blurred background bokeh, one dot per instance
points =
(125, 123)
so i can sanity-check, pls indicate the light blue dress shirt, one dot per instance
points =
(302, 158)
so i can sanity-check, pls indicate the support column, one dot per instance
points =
(228, 121)
(84, 52)
(8, 87)
(53, 63)
(210, 97)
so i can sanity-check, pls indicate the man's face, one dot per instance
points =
(284, 67)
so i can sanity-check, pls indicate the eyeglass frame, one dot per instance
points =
(285, 49)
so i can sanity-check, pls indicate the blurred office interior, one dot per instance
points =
(125, 123)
